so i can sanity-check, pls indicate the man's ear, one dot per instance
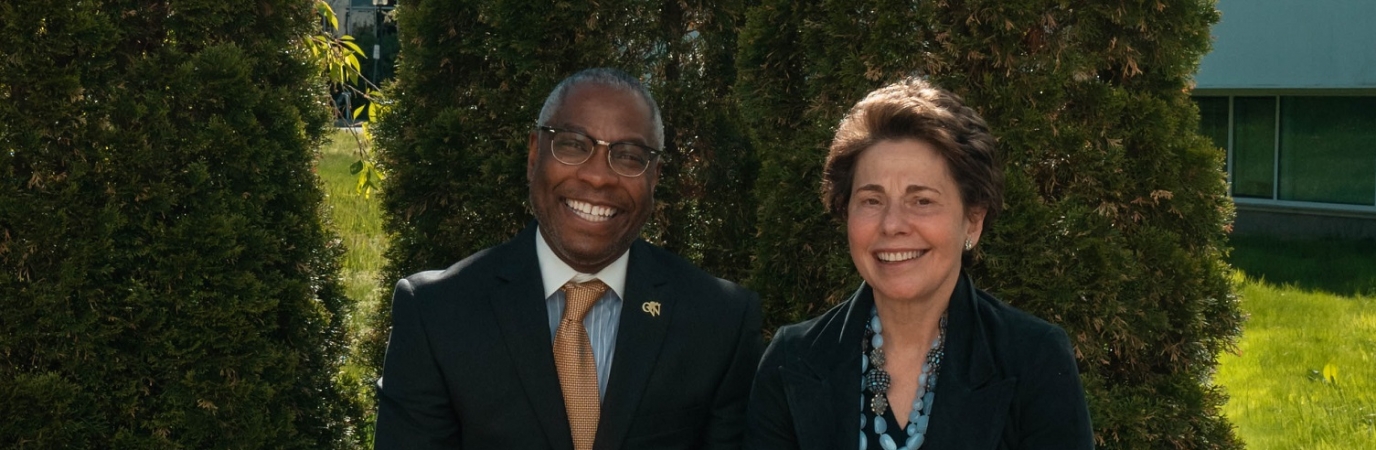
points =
(653, 174)
(533, 146)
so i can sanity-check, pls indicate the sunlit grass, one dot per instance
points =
(1280, 397)
(358, 222)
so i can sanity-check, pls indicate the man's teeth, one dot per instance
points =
(898, 256)
(591, 212)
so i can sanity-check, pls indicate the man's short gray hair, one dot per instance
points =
(606, 77)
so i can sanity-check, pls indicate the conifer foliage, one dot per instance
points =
(1115, 216)
(166, 279)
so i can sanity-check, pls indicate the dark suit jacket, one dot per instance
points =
(1008, 381)
(470, 362)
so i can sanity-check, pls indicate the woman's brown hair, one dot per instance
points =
(915, 109)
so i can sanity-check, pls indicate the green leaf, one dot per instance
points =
(356, 167)
(359, 110)
(352, 46)
(325, 10)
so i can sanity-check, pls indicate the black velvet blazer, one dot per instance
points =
(1008, 381)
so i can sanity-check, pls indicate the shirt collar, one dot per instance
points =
(555, 272)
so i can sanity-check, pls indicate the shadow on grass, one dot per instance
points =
(1336, 266)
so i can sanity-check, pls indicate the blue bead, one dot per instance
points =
(877, 341)
(927, 400)
(862, 421)
(864, 442)
(864, 363)
(916, 412)
(916, 441)
(880, 425)
(887, 442)
(922, 379)
(922, 423)
(912, 429)
(862, 396)
(874, 324)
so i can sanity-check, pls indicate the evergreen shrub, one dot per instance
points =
(166, 278)
(1116, 209)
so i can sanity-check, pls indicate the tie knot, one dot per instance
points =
(580, 297)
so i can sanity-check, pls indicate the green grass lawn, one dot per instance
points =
(358, 222)
(1312, 304)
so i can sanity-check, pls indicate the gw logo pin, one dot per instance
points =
(650, 307)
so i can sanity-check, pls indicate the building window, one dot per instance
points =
(1296, 148)
(1328, 149)
(1213, 120)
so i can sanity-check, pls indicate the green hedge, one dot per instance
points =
(1116, 208)
(166, 277)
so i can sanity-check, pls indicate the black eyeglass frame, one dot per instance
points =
(655, 154)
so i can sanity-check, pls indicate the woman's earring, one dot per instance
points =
(968, 245)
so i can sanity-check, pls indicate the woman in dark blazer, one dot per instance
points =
(918, 357)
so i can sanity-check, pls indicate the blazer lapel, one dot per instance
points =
(638, 341)
(823, 387)
(972, 399)
(519, 306)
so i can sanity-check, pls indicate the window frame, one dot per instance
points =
(1274, 202)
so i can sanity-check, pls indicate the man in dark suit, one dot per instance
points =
(575, 334)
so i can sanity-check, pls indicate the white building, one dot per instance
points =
(1289, 90)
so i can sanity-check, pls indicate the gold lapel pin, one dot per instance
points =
(650, 307)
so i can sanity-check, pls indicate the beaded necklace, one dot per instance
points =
(876, 381)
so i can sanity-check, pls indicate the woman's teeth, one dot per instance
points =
(898, 256)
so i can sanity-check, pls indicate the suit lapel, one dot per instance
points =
(825, 404)
(823, 387)
(639, 338)
(519, 306)
(972, 398)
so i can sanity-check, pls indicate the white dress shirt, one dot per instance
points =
(604, 318)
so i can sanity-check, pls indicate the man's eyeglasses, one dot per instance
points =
(572, 148)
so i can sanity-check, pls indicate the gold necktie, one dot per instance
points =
(573, 359)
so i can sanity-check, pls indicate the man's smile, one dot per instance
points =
(591, 212)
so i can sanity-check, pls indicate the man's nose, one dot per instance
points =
(597, 170)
